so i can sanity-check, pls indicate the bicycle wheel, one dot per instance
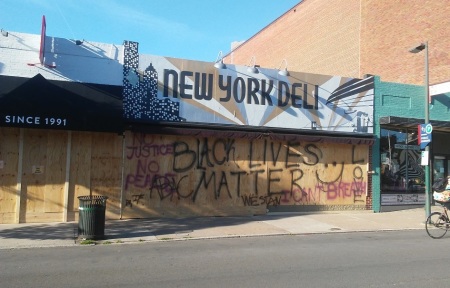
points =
(436, 225)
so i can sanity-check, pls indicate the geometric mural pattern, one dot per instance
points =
(140, 91)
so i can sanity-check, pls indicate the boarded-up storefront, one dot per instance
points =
(180, 176)
(44, 171)
(58, 140)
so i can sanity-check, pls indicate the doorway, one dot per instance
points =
(441, 165)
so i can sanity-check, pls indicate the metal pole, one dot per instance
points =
(427, 148)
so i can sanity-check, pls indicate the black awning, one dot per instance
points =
(412, 123)
(39, 103)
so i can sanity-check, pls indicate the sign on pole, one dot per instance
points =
(424, 132)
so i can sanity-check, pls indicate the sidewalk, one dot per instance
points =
(161, 229)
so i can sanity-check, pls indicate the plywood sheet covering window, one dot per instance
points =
(80, 169)
(56, 171)
(106, 170)
(43, 177)
(95, 169)
(33, 177)
(9, 157)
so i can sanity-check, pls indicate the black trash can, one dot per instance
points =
(91, 217)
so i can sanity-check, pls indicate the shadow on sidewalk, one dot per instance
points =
(53, 231)
(129, 228)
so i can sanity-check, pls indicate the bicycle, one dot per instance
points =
(438, 223)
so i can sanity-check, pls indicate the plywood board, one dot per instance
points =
(34, 169)
(80, 168)
(55, 171)
(9, 157)
(106, 170)
(44, 165)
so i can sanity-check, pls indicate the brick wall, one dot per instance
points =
(313, 37)
(391, 28)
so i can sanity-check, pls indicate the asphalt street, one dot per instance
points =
(407, 258)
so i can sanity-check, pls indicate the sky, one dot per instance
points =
(187, 29)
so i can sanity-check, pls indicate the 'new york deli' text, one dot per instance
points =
(251, 90)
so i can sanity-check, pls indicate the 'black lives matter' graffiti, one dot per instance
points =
(217, 171)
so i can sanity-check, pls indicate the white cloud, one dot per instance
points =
(145, 20)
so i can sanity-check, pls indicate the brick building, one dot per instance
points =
(355, 38)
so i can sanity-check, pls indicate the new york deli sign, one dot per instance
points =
(176, 90)
(251, 91)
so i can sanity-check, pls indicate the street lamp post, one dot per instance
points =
(417, 49)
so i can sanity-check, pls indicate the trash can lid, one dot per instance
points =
(92, 200)
(94, 197)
